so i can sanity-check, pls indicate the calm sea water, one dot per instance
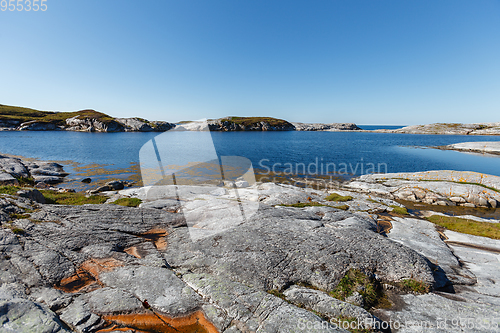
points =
(376, 127)
(357, 151)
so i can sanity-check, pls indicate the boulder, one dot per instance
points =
(7, 179)
(33, 195)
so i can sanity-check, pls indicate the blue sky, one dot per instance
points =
(368, 62)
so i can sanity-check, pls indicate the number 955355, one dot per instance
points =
(23, 5)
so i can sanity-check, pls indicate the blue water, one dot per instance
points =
(359, 151)
(376, 127)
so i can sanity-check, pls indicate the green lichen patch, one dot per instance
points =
(11, 190)
(338, 197)
(74, 199)
(18, 231)
(415, 286)
(305, 204)
(399, 210)
(128, 202)
(466, 226)
(356, 281)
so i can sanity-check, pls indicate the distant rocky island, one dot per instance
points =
(13, 118)
(448, 128)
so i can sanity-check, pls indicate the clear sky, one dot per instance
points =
(368, 62)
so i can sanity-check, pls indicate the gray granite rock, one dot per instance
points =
(162, 289)
(7, 179)
(433, 187)
(333, 127)
(32, 194)
(486, 147)
(448, 128)
(328, 306)
(255, 310)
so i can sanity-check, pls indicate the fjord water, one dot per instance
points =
(399, 152)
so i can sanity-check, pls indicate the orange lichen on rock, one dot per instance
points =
(76, 282)
(133, 252)
(152, 322)
(87, 274)
(158, 236)
(96, 266)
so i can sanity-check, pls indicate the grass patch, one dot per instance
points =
(277, 293)
(56, 198)
(342, 207)
(399, 210)
(466, 226)
(58, 118)
(374, 201)
(305, 204)
(128, 202)
(23, 181)
(414, 285)
(355, 280)
(452, 181)
(11, 190)
(18, 231)
(16, 216)
(338, 197)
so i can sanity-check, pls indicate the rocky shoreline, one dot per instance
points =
(305, 260)
(487, 147)
(448, 129)
(24, 119)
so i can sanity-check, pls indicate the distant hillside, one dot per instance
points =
(250, 124)
(15, 118)
(19, 118)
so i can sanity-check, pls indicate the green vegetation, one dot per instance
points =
(414, 285)
(53, 197)
(338, 197)
(466, 226)
(399, 210)
(456, 182)
(9, 189)
(58, 118)
(23, 181)
(355, 280)
(18, 231)
(248, 121)
(305, 204)
(277, 293)
(128, 202)
(342, 207)
(477, 184)
(16, 216)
